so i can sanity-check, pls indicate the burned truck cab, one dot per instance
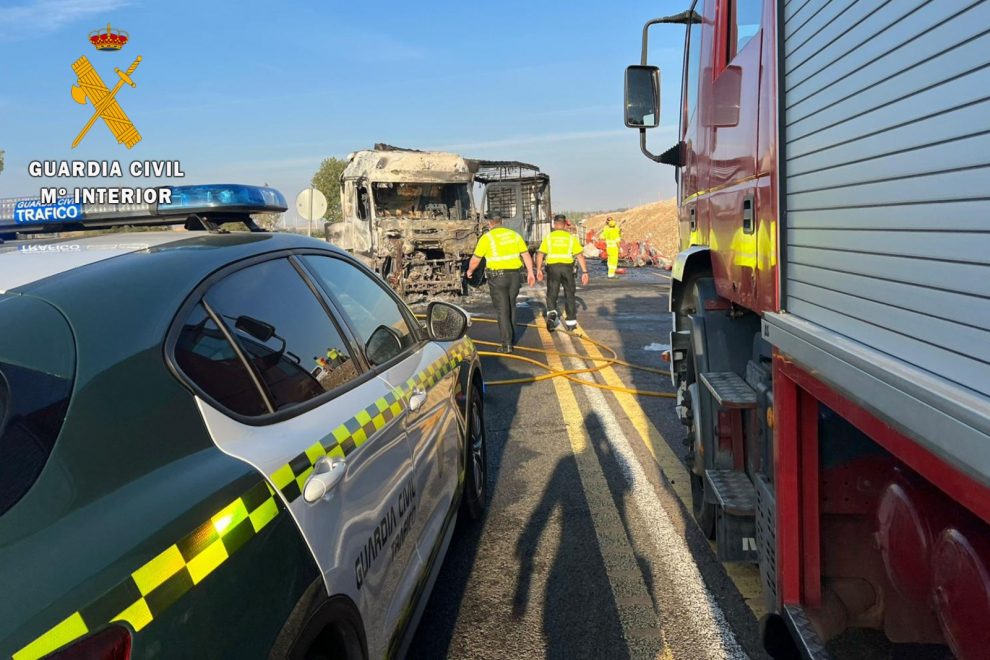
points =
(410, 215)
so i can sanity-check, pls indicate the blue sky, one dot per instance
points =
(254, 91)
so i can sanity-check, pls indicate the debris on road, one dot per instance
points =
(655, 223)
(656, 347)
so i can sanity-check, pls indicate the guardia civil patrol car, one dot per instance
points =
(222, 444)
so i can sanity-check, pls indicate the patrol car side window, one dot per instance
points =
(368, 306)
(284, 331)
(208, 359)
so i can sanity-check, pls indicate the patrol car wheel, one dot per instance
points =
(333, 632)
(476, 480)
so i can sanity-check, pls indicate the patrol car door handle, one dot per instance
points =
(326, 474)
(416, 399)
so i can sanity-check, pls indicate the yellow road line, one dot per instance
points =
(635, 606)
(746, 577)
(666, 277)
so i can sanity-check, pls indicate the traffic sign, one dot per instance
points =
(311, 204)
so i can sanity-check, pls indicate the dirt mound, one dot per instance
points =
(656, 222)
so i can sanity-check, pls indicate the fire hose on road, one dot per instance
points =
(570, 373)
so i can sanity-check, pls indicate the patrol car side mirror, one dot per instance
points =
(254, 328)
(383, 345)
(446, 322)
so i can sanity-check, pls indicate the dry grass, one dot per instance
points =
(656, 222)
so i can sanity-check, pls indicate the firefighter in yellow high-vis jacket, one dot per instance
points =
(611, 234)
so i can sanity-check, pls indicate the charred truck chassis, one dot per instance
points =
(414, 258)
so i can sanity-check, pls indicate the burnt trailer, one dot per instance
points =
(519, 193)
(410, 215)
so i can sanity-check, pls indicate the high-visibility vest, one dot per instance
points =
(560, 247)
(501, 248)
(611, 236)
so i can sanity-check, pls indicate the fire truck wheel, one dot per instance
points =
(704, 513)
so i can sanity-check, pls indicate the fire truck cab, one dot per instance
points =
(830, 343)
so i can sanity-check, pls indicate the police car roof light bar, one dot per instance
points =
(210, 204)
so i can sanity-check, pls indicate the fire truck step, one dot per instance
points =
(730, 390)
(731, 490)
(809, 643)
(735, 515)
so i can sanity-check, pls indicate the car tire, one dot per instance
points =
(333, 632)
(475, 497)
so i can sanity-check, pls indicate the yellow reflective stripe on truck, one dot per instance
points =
(152, 588)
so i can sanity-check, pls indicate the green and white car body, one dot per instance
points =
(178, 477)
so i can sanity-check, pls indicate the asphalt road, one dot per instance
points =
(588, 548)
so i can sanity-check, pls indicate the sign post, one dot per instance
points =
(311, 204)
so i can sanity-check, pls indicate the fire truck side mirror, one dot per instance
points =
(642, 96)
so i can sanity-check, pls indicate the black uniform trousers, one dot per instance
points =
(503, 285)
(557, 275)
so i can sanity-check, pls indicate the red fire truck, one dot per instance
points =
(831, 306)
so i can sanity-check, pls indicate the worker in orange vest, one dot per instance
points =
(611, 234)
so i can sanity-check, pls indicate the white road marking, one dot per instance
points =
(697, 605)
(641, 626)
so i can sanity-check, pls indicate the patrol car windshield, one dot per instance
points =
(422, 200)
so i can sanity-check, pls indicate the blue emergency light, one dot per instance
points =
(224, 198)
(201, 206)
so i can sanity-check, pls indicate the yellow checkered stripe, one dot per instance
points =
(153, 588)
(291, 477)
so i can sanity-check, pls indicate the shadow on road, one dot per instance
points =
(580, 619)
(437, 626)
(642, 320)
(618, 482)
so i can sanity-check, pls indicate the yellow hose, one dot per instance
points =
(566, 374)
(569, 373)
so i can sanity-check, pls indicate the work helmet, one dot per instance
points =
(611, 221)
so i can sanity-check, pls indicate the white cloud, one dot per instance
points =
(39, 17)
